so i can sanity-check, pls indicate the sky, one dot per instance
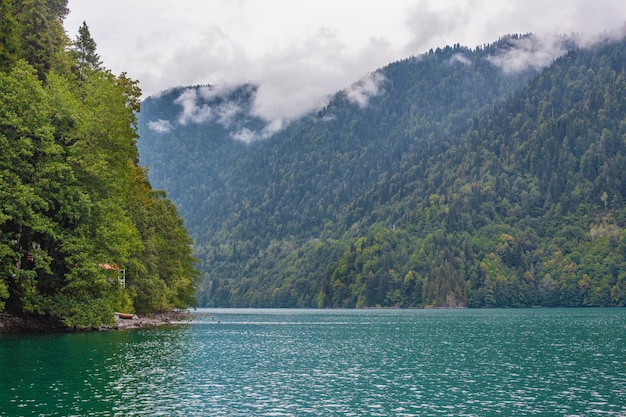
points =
(300, 51)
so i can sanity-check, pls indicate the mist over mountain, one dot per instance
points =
(463, 177)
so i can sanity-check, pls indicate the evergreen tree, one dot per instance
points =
(84, 51)
(9, 36)
(42, 33)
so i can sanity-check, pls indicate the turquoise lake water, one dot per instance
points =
(545, 362)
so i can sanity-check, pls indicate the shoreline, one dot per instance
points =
(10, 324)
(128, 321)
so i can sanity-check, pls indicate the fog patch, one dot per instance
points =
(360, 92)
(219, 104)
(537, 51)
(460, 58)
(193, 110)
(248, 136)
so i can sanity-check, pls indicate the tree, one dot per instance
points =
(42, 33)
(9, 37)
(84, 51)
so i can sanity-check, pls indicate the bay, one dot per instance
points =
(242, 362)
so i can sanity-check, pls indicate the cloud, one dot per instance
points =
(295, 70)
(160, 126)
(192, 111)
(538, 51)
(613, 34)
(432, 25)
(210, 103)
(323, 47)
(298, 79)
(229, 106)
(361, 91)
(530, 52)
(248, 136)
(436, 23)
(244, 135)
(461, 58)
(292, 81)
(227, 112)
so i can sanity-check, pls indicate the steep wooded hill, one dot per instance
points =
(82, 232)
(455, 183)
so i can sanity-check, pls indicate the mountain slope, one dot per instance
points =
(414, 194)
(526, 209)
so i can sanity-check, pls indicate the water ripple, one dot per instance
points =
(330, 363)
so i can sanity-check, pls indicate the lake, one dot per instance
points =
(240, 362)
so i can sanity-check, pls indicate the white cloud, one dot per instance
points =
(192, 110)
(461, 58)
(160, 126)
(227, 112)
(244, 135)
(197, 107)
(248, 136)
(214, 91)
(530, 52)
(435, 23)
(612, 34)
(297, 79)
(320, 48)
(361, 91)
(539, 51)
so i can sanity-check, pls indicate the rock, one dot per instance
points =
(128, 321)
(13, 324)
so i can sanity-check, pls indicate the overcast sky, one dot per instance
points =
(300, 51)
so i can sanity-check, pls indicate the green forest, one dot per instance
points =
(458, 185)
(82, 232)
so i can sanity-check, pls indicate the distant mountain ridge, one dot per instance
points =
(447, 183)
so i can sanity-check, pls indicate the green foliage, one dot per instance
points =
(72, 196)
(41, 32)
(166, 279)
(9, 37)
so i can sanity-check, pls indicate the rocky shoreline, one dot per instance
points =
(126, 321)
(14, 324)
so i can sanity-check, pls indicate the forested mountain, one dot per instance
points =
(77, 213)
(465, 178)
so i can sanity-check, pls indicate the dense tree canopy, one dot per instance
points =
(77, 213)
(458, 185)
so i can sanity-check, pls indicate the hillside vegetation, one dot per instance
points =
(77, 213)
(460, 182)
